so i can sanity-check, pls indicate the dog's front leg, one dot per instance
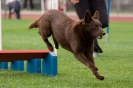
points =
(89, 64)
(55, 42)
(85, 61)
(89, 56)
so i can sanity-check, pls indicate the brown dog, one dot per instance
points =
(74, 36)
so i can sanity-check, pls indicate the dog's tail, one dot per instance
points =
(35, 23)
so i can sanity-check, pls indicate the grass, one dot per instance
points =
(116, 63)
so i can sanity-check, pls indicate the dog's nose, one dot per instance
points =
(103, 33)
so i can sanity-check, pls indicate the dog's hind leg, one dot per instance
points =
(45, 32)
(49, 45)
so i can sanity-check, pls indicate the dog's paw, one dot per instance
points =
(101, 77)
(51, 48)
(98, 76)
(56, 46)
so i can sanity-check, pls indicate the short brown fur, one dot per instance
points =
(74, 36)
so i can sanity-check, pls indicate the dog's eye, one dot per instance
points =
(95, 26)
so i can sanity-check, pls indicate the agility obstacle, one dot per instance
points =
(37, 61)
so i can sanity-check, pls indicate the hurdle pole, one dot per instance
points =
(42, 6)
(0, 29)
(107, 29)
(52, 4)
(64, 6)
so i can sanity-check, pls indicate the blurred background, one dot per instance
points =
(117, 6)
(120, 10)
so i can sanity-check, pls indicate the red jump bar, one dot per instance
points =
(11, 55)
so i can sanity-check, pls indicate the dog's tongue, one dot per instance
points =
(99, 37)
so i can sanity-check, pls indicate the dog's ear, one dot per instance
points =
(87, 17)
(96, 15)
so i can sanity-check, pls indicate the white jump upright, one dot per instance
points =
(42, 6)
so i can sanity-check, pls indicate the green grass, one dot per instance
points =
(116, 63)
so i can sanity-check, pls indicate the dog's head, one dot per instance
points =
(91, 25)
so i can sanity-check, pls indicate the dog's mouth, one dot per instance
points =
(101, 36)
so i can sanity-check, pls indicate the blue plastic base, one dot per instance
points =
(34, 66)
(46, 65)
(49, 64)
(17, 65)
(3, 65)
